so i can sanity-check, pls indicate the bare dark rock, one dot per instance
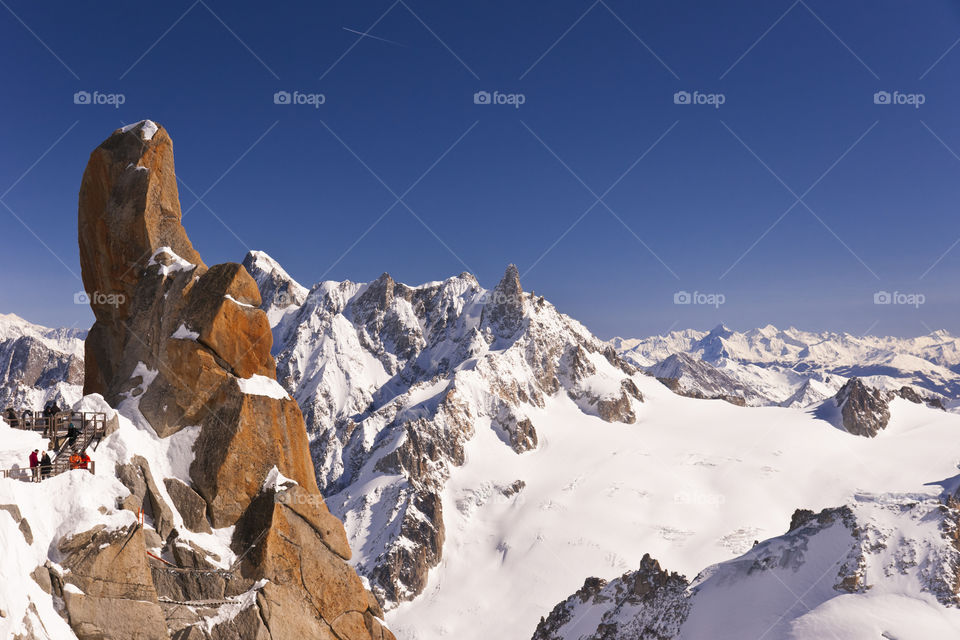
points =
(864, 411)
(657, 600)
(22, 523)
(137, 477)
(800, 517)
(191, 506)
(504, 311)
(910, 394)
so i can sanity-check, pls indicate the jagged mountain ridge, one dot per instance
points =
(394, 380)
(38, 364)
(797, 368)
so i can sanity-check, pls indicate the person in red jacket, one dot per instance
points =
(35, 465)
(84, 461)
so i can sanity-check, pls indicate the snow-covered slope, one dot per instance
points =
(280, 292)
(406, 389)
(779, 364)
(692, 483)
(37, 518)
(884, 566)
(38, 364)
(395, 380)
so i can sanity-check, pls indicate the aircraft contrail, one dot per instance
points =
(367, 35)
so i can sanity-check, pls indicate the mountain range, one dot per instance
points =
(486, 451)
(770, 366)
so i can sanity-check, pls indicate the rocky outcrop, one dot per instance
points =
(864, 411)
(190, 505)
(178, 344)
(108, 589)
(688, 376)
(144, 494)
(646, 603)
(21, 522)
(504, 311)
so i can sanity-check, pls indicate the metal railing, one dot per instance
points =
(36, 474)
(68, 432)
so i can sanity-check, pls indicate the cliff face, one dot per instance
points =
(187, 346)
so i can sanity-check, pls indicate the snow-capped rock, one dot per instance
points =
(279, 292)
(394, 381)
(863, 411)
(693, 377)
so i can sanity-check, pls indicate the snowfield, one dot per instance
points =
(693, 483)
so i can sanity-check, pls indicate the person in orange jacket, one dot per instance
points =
(75, 460)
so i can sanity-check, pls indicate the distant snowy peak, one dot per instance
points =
(689, 376)
(778, 364)
(68, 341)
(278, 291)
(771, 345)
(38, 364)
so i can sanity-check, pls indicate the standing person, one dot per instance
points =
(74, 460)
(46, 466)
(11, 416)
(84, 461)
(72, 433)
(35, 465)
(27, 419)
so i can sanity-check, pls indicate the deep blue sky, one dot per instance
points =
(800, 98)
